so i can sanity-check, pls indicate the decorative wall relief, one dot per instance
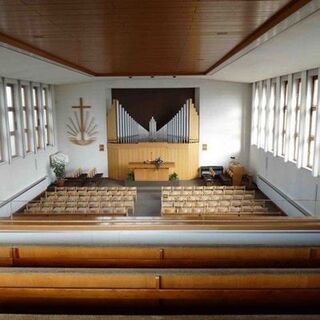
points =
(81, 127)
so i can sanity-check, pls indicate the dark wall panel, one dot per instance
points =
(162, 104)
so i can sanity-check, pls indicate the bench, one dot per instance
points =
(154, 256)
(209, 287)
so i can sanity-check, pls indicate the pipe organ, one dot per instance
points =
(127, 127)
(175, 141)
(182, 128)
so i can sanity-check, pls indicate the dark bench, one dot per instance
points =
(210, 173)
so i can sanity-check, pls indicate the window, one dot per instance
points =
(1, 147)
(296, 114)
(36, 117)
(12, 119)
(25, 118)
(311, 122)
(46, 115)
(255, 115)
(271, 119)
(262, 135)
(283, 118)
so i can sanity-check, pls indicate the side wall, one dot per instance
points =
(26, 177)
(224, 118)
(296, 184)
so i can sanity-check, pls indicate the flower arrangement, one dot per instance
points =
(157, 162)
(58, 163)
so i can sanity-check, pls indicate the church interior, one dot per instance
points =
(159, 159)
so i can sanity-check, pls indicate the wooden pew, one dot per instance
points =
(6, 257)
(173, 257)
(215, 287)
(223, 223)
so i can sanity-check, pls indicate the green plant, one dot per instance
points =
(130, 176)
(173, 176)
(58, 163)
(59, 169)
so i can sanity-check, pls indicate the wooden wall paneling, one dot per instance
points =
(112, 123)
(185, 157)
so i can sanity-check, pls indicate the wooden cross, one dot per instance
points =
(81, 107)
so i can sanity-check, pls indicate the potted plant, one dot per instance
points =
(130, 176)
(58, 163)
(173, 178)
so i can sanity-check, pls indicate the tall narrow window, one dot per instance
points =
(263, 116)
(46, 115)
(311, 125)
(283, 118)
(255, 116)
(1, 150)
(25, 117)
(36, 117)
(296, 118)
(271, 119)
(12, 119)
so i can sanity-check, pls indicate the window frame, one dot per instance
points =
(3, 124)
(37, 118)
(255, 113)
(16, 109)
(283, 117)
(272, 116)
(311, 113)
(29, 118)
(47, 115)
(296, 117)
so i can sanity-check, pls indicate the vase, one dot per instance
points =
(60, 183)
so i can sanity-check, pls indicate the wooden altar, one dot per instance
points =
(148, 171)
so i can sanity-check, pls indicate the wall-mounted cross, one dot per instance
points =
(81, 107)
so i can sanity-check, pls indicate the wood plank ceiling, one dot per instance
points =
(137, 37)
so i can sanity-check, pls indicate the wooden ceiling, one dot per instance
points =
(138, 37)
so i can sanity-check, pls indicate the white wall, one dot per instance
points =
(224, 117)
(94, 94)
(297, 184)
(22, 172)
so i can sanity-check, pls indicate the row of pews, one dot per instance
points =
(199, 275)
(112, 201)
(204, 201)
(216, 276)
